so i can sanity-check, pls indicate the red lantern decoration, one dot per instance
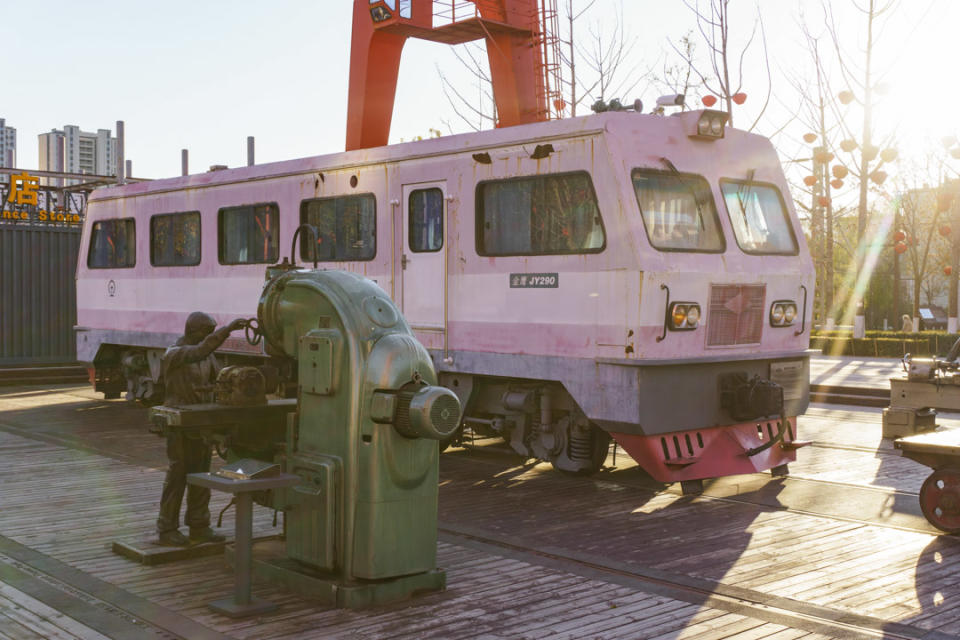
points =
(839, 171)
(739, 98)
(845, 97)
(888, 155)
(947, 270)
(810, 180)
(848, 145)
(809, 137)
(945, 230)
(869, 153)
(823, 201)
(709, 100)
(836, 183)
(955, 152)
(823, 156)
(878, 176)
(899, 236)
(900, 247)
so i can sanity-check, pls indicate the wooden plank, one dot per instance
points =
(32, 618)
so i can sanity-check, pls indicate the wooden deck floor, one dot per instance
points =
(529, 553)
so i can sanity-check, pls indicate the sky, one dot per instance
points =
(205, 75)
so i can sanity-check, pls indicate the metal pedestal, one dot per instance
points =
(242, 604)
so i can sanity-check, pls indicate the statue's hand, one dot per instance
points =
(239, 323)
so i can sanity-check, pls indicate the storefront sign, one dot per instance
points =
(24, 199)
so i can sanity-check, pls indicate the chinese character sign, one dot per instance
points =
(23, 189)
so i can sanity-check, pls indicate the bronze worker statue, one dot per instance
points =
(189, 369)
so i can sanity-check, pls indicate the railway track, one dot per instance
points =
(43, 374)
(857, 396)
(770, 608)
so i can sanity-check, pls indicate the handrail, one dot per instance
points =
(666, 313)
(803, 317)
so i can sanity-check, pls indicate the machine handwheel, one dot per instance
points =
(252, 333)
(940, 499)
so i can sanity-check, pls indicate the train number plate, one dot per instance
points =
(534, 280)
(790, 376)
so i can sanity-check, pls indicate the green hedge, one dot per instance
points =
(889, 344)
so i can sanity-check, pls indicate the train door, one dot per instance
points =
(423, 260)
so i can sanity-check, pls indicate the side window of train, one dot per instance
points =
(678, 211)
(426, 220)
(175, 239)
(249, 234)
(346, 228)
(113, 244)
(539, 215)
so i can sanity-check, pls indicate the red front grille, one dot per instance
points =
(736, 314)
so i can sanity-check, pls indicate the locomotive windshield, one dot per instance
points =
(759, 218)
(678, 211)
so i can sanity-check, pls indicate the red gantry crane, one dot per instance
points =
(522, 50)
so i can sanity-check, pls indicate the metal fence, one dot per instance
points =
(38, 300)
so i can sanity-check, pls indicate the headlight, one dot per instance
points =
(684, 316)
(710, 125)
(679, 316)
(789, 313)
(783, 313)
(776, 314)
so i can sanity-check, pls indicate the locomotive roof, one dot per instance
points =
(677, 124)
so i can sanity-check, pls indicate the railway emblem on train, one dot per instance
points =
(112, 288)
(534, 280)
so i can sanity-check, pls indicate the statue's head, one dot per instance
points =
(199, 325)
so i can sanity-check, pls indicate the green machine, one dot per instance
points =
(361, 528)
(361, 523)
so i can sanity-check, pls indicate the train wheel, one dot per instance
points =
(940, 499)
(589, 458)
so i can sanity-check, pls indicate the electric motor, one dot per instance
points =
(427, 412)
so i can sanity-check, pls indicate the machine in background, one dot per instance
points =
(929, 384)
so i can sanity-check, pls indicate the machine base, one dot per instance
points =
(270, 563)
(146, 550)
(908, 421)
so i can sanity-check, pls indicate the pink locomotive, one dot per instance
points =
(636, 276)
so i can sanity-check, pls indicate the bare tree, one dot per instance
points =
(608, 55)
(479, 112)
(569, 58)
(595, 65)
(678, 78)
(920, 222)
(725, 77)
(859, 77)
(861, 153)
